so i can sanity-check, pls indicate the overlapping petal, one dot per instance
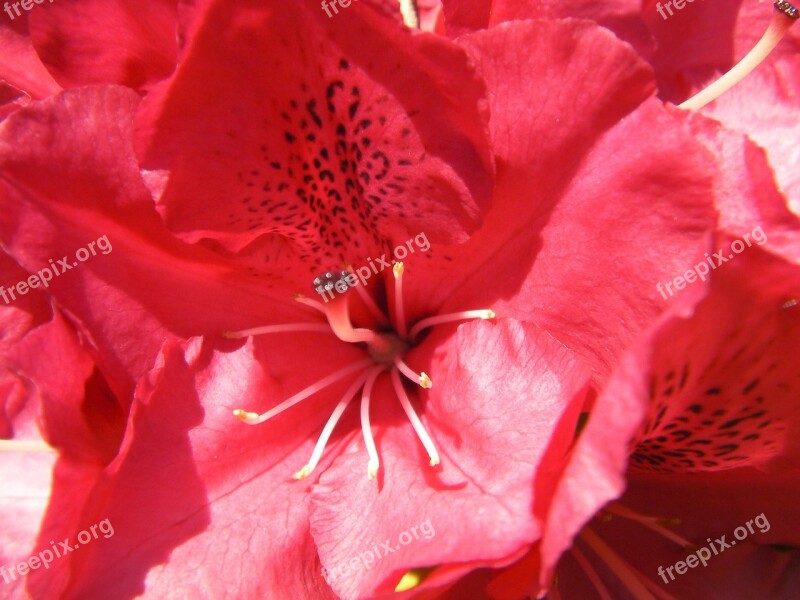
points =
(370, 134)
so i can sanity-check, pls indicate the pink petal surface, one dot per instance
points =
(106, 41)
(499, 392)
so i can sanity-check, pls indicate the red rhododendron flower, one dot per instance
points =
(394, 436)
(700, 403)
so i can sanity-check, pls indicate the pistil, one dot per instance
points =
(282, 328)
(338, 313)
(369, 302)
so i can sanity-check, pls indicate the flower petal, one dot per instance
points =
(69, 185)
(370, 133)
(106, 41)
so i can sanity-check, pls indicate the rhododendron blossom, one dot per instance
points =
(517, 386)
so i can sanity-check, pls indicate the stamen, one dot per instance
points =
(368, 301)
(319, 448)
(654, 524)
(449, 318)
(402, 328)
(581, 559)
(782, 19)
(589, 571)
(412, 416)
(420, 379)
(309, 302)
(374, 462)
(655, 588)
(408, 8)
(338, 314)
(285, 328)
(617, 564)
(413, 578)
(254, 418)
(25, 446)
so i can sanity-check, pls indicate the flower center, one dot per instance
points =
(390, 347)
(386, 345)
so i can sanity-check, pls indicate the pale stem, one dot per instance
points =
(778, 27)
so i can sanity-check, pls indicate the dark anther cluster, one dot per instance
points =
(787, 8)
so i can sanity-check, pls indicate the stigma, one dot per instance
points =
(386, 341)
